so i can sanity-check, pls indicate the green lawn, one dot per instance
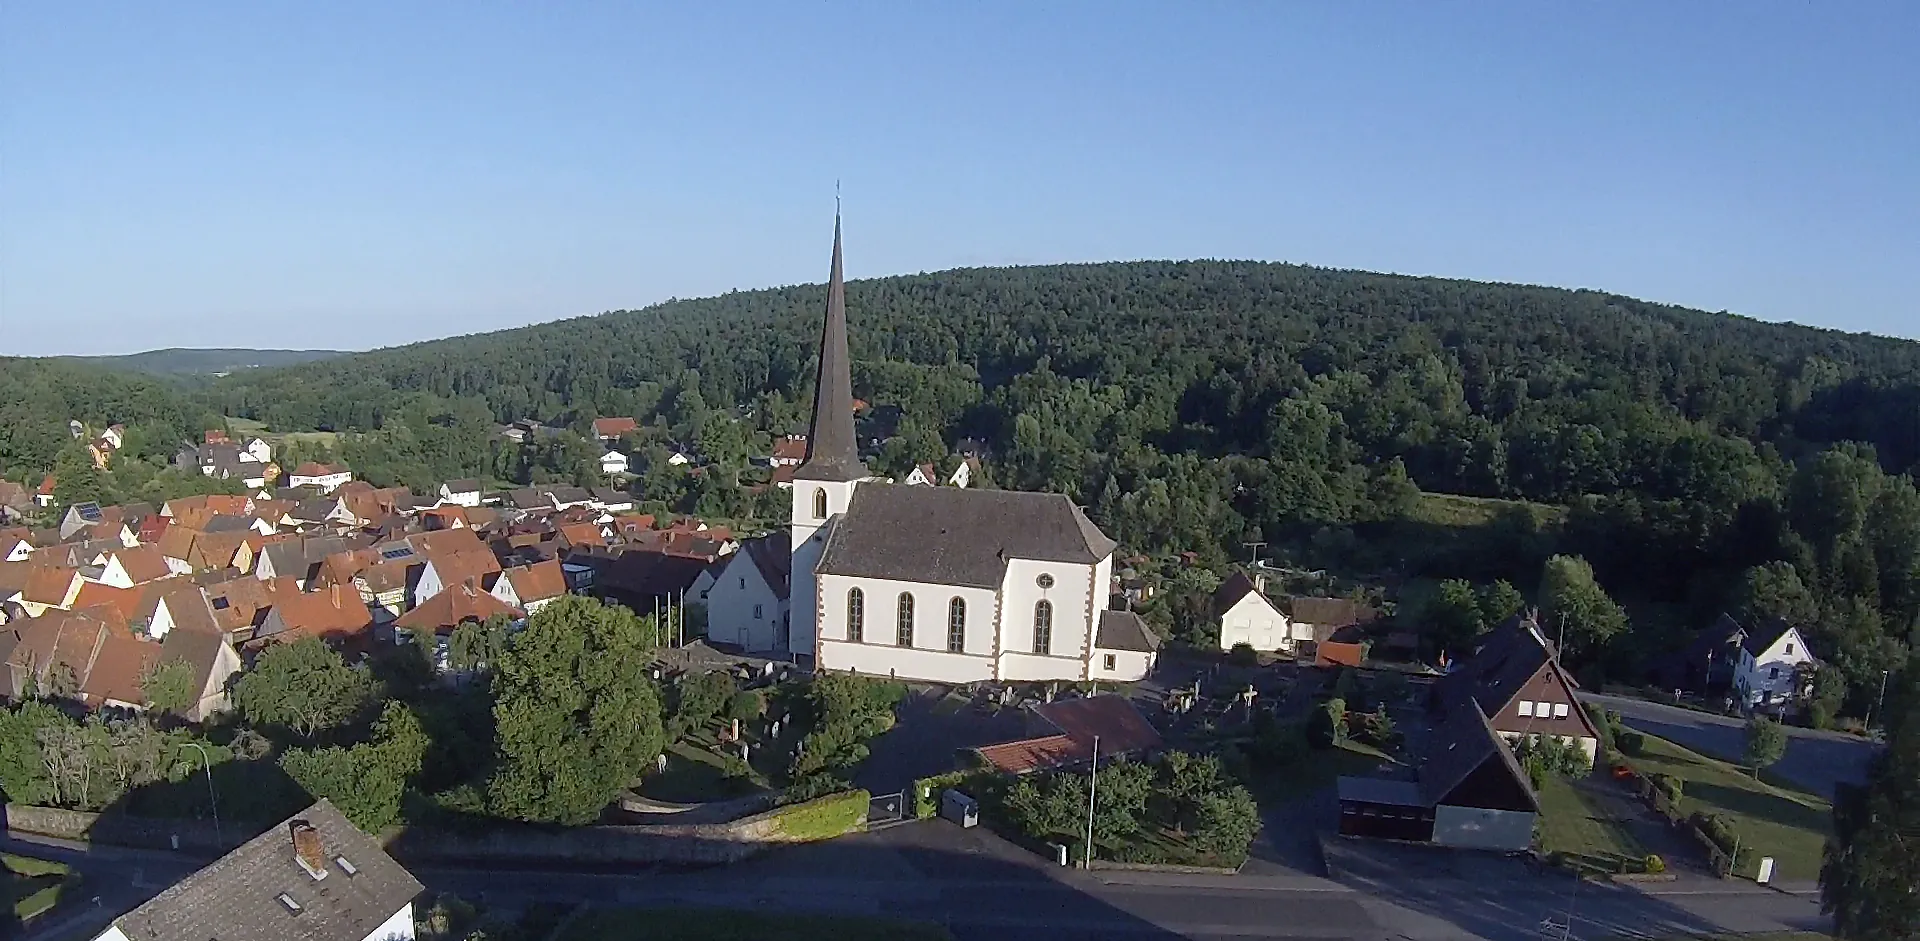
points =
(695, 775)
(693, 924)
(1456, 510)
(33, 885)
(1790, 825)
(1580, 827)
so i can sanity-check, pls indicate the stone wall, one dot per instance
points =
(673, 844)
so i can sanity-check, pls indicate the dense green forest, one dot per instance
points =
(1704, 461)
(185, 363)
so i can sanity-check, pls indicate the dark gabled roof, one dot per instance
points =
(1765, 634)
(1458, 747)
(238, 895)
(1234, 588)
(1508, 656)
(772, 554)
(464, 485)
(951, 536)
(569, 494)
(641, 574)
(832, 452)
(1123, 630)
(1330, 613)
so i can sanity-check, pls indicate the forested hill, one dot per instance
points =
(184, 363)
(1200, 353)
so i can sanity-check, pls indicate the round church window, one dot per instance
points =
(1044, 581)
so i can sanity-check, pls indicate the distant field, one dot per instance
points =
(1456, 510)
(247, 426)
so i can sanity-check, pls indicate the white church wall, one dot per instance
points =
(883, 660)
(1015, 667)
(1072, 594)
(929, 613)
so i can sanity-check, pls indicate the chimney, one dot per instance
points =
(307, 850)
(1260, 582)
(333, 594)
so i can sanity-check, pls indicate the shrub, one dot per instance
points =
(1669, 785)
(1328, 726)
(1243, 655)
(927, 791)
(747, 705)
(1653, 864)
(1632, 743)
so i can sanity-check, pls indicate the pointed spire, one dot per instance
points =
(831, 452)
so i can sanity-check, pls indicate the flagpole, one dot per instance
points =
(1093, 783)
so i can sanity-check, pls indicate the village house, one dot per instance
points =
(334, 615)
(314, 877)
(1767, 667)
(530, 587)
(788, 451)
(1248, 616)
(1468, 792)
(611, 429)
(16, 502)
(1514, 678)
(328, 477)
(464, 492)
(612, 463)
(747, 601)
(463, 603)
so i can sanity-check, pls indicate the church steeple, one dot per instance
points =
(831, 450)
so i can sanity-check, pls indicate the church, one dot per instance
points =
(948, 584)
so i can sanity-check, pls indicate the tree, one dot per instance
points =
(1573, 604)
(1829, 691)
(1228, 822)
(1190, 778)
(1454, 616)
(1873, 861)
(1772, 591)
(746, 705)
(169, 686)
(303, 686)
(1499, 601)
(368, 781)
(576, 715)
(1328, 725)
(698, 697)
(1766, 742)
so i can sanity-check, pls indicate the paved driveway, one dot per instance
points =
(1814, 759)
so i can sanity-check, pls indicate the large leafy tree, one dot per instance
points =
(303, 686)
(1575, 607)
(368, 780)
(577, 718)
(1870, 882)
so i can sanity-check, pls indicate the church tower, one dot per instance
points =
(823, 483)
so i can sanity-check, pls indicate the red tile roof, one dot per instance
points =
(317, 469)
(1031, 754)
(792, 448)
(144, 563)
(1120, 727)
(331, 614)
(49, 585)
(455, 606)
(537, 582)
(613, 427)
(1331, 653)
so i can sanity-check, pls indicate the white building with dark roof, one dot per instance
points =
(314, 877)
(942, 583)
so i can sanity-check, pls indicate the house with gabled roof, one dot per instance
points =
(610, 429)
(1062, 734)
(313, 877)
(1247, 616)
(530, 587)
(747, 604)
(1468, 791)
(463, 492)
(333, 614)
(1515, 679)
(129, 567)
(1766, 666)
(327, 477)
(50, 587)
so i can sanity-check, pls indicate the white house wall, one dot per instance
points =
(1769, 678)
(730, 605)
(928, 658)
(1128, 665)
(1254, 622)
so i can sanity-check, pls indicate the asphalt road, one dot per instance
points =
(983, 888)
(1814, 759)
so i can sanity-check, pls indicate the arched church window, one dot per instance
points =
(903, 632)
(957, 626)
(856, 615)
(820, 504)
(1043, 627)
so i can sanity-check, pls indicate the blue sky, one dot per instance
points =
(353, 175)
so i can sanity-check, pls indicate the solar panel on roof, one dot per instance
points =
(88, 511)
(396, 553)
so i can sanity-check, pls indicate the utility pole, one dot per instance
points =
(1256, 547)
(1093, 783)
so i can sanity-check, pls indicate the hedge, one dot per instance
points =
(824, 818)
(927, 791)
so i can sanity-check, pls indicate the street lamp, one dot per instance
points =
(212, 801)
(1093, 782)
(1879, 701)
